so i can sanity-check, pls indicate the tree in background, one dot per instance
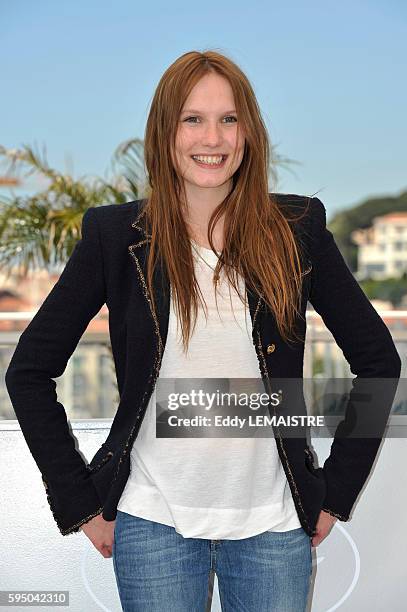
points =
(40, 231)
(360, 217)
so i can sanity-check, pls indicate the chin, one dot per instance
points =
(208, 183)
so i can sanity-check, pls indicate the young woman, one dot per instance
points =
(208, 277)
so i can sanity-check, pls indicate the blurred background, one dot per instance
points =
(76, 82)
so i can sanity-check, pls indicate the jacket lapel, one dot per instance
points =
(161, 286)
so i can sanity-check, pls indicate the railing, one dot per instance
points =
(88, 387)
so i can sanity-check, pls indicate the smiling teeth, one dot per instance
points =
(215, 161)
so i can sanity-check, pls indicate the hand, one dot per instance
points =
(324, 525)
(100, 533)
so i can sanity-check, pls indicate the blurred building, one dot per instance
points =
(382, 248)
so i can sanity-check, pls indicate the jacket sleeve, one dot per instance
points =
(368, 347)
(42, 353)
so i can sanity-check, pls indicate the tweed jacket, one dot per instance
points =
(108, 265)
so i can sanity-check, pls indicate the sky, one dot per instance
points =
(78, 77)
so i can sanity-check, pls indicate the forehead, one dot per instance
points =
(212, 92)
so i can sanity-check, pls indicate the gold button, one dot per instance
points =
(271, 348)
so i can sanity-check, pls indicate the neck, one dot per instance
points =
(199, 235)
(201, 203)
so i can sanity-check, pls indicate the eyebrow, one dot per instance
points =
(191, 110)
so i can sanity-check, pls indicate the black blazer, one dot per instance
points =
(108, 265)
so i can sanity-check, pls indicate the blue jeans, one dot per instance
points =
(157, 569)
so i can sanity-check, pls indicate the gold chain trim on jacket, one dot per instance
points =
(158, 357)
(339, 516)
(139, 227)
(99, 465)
(280, 440)
(73, 528)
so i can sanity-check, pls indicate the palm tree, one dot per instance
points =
(40, 231)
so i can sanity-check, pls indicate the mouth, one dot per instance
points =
(210, 162)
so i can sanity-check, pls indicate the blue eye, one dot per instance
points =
(227, 117)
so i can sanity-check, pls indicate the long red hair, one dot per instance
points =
(259, 242)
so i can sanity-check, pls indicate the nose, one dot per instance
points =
(212, 134)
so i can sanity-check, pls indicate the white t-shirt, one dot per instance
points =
(213, 488)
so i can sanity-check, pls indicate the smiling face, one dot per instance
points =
(208, 129)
